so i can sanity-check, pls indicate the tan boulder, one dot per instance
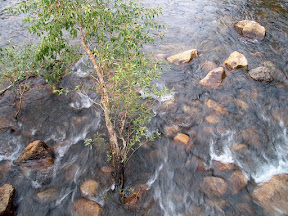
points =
(89, 188)
(184, 57)
(214, 78)
(273, 195)
(236, 60)
(250, 30)
(6, 200)
(213, 186)
(182, 138)
(85, 207)
(237, 181)
(216, 106)
(261, 74)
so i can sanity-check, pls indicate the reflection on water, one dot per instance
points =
(253, 135)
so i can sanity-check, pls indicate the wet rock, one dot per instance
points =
(134, 201)
(237, 182)
(213, 186)
(251, 137)
(222, 167)
(214, 78)
(184, 57)
(261, 74)
(36, 155)
(182, 138)
(89, 188)
(213, 119)
(241, 104)
(216, 203)
(168, 131)
(208, 66)
(70, 172)
(250, 30)
(245, 209)
(198, 164)
(48, 195)
(273, 195)
(106, 169)
(239, 148)
(85, 207)
(6, 200)
(216, 106)
(236, 60)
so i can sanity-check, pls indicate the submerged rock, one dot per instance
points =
(261, 74)
(182, 138)
(208, 66)
(214, 78)
(48, 195)
(213, 186)
(273, 195)
(134, 201)
(216, 106)
(85, 207)
(184, 57)
(250, 30)
(6, 200)
(213, 119)
(89, 188)
(237, 181)
(236, 60)
(36, 155)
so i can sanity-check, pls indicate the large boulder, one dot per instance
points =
(214, 78)
(261, 74)
(250, 30)
(236, 60)
(6, 200)
(213, 186)
(184, 57)
(273, 195)
(85, 207)
(36, 155)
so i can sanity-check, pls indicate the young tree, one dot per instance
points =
(112, 33)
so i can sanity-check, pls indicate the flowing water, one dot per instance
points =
(252, 135)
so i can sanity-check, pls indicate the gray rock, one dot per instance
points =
(261, 74)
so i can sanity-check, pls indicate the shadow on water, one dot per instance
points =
(251, 135)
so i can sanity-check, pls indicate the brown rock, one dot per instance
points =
(106, 169)
(135, 199)
(216, 203)
(251, 136)
(48, 195)
(6, 200)
(213, 119)
(85, 207)
(168, 131)
(261, 74)
(273, 195)
(89, 188)
(208, 66)
(214, 78)
(240, 148)
(245, 209)
(216, 106)
(36, 154)
(182, 138)
(236, 60)
(250, 30)
(241, 104)
(70, 172)
(213, 186)
(237, 181)
(222, 167)
(184, 57)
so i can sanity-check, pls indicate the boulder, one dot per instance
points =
(250, 30)
(182, 138)
(85, 207)
(213, 186)
(273, 195)
(237, 182)
(184, 57)
(6, 200)
(89, 188)
(214, 78)
(236, 60)
(37, 155)
(261, 74)
(48, 195)
(213, 119)
(216, 106)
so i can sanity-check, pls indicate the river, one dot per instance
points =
(252, 135)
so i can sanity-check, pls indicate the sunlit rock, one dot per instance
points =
(216, 106)
(213, 186)
(221, 167)
(236, 60)
(89, 188)
(214, 78)
(261, 74)
(184, 57)
(85, 207)
(36, 155)
(48, 195)
(237, 182)
(250, 30)
(273, 195)
(208, 66)
(213, 119)
(182, 138)
(6, 200)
